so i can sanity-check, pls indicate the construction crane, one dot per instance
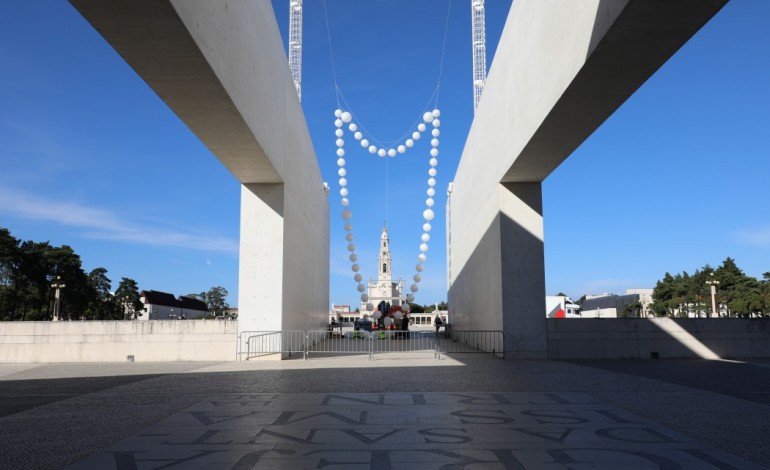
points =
(479, 50)
(295, 44)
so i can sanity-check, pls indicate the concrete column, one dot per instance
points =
(522, 270)
(260, 270)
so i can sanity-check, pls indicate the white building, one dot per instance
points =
(384, 288)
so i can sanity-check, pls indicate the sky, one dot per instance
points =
(676, 178)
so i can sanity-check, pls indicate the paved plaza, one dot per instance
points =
(405, 411)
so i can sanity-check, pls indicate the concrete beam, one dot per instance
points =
(221, 67)
(561, 69)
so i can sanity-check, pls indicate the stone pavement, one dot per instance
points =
(401, 412)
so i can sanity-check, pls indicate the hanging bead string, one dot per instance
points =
(344, 118)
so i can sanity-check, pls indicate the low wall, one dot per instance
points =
(114, 341)
(642, 338)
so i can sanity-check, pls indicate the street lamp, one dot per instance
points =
(58, 285)
(713, 283)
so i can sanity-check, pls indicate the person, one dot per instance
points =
(405, 325)
(438, 323)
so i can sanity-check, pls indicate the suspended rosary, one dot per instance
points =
(345, 118)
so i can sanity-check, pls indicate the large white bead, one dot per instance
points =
(343, 182)
(421, 127)
(401, 149)
(337, 113)
(415, 135)
(436, 132)
(338, 123)
(436, 122)
(434, 152)
(344, 201)
(431, 182)
(340, 143)
(429, 202)
(426, 227)
(425, 237)
(340, 152)
(358, 135)
(432, 172)
(427, 117)
(391, 152)
(340, 162)
(431, 192)
(364, 143)
(344, 192)
(427, 214)
(423, 247)
(433, 162)
(339, 132)
(342, 172)
(422, 257)
(436, 113)
(372, 149)
(353, 127)
(346, 117)
(409, 143)
(434, 142)
(382, 152)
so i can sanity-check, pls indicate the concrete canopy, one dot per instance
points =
(221, 67)
(561, 69)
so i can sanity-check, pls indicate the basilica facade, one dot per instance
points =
(384, 288)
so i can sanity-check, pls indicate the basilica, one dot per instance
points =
(384, 288)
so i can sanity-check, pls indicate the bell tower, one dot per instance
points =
(384, 268)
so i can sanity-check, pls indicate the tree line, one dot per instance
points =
(738, 295)
(28, 269)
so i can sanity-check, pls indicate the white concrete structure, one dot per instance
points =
(115, 341)
(221, 67)
(561, 68)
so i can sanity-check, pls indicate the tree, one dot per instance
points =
(215, 299)
(127, 302)
(102, 304)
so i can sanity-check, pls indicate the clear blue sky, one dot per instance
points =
(678, 177)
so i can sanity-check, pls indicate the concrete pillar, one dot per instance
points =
(260, 269)
(522, 270)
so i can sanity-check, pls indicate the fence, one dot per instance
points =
(253, 344)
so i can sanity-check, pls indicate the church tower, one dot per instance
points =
(385, 264)
(385, 288)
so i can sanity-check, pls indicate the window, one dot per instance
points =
(384, 267)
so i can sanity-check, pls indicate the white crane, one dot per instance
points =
(479, 50)
(295, 44)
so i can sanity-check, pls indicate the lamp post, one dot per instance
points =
(58, 285)
(713, 283)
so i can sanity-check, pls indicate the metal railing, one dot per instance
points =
(261, 343)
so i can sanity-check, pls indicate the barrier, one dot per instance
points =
(262, 343)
